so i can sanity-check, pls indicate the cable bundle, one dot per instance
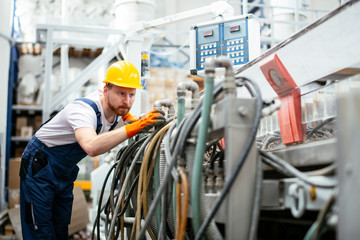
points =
(152, 164)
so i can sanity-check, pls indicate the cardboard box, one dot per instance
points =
(38, 122)
(80, 212)
(20, 122)
(14, 168)
(26, 131)
(13, 198)
(9, 230)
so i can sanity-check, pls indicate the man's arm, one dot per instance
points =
(94, 144)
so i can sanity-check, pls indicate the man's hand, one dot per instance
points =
(153, 118)
(130, 118)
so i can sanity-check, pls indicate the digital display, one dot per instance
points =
(235, 28)
(208, 33)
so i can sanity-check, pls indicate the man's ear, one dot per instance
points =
(106, 89)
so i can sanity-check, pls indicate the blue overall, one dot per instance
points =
(46, 187)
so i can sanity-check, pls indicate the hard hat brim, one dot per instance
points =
(125, 85)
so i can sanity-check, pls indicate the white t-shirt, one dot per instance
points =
(61, 129)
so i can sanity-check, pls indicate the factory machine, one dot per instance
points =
(269, 152)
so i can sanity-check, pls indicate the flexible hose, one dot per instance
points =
(281, 165)
(143, 176)
(120, 175)
(191, 120)
(148, 175)
(132, 166)
(200, 151)
(178, 209)
(165, 160)
(314, 231)
(156, 187)
(182, 214)
(122, 221)
(120, 168)
(97, 220)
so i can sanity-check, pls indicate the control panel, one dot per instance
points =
(237, 38)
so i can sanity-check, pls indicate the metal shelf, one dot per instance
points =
(27, 107)
(20, 139)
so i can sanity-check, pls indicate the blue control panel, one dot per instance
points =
(229, 39)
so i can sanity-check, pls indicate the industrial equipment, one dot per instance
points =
(222, 170)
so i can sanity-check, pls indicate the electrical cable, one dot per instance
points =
(125, 205)
(191, 120)
(122, 157)
(119, 174)
(323, 171)
(97, 220)
(178, 210)
(131, 168)
(120, 167)
(167, 154)
(148, 177)
(128, 198)
(242, 157)
(143, 175)
(314, 231)
(182, 215)
(122, 225)
(284, 167)
(320, 125)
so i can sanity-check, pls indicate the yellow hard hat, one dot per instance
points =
(123, 74)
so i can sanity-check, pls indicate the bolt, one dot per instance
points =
(243, 111)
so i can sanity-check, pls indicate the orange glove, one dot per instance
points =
(153, 118)
(130, 118)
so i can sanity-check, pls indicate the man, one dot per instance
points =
(83, 127)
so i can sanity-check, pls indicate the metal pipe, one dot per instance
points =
(193, 88)
(229, 81)
(158, 104)
(181, 93)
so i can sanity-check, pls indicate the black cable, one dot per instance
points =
(121, 156)
(241, 160)
(268, 140)
(97, 220)
(128, 198)
(320, 125)
(191, 120)
(219, 146)
(126, 203)
(289, 170)
(215, 156)
(140, 151)
(121, 167)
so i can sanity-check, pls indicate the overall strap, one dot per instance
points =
(98, 114)
(115, 123)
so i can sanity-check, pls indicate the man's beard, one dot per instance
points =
(120, 110)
